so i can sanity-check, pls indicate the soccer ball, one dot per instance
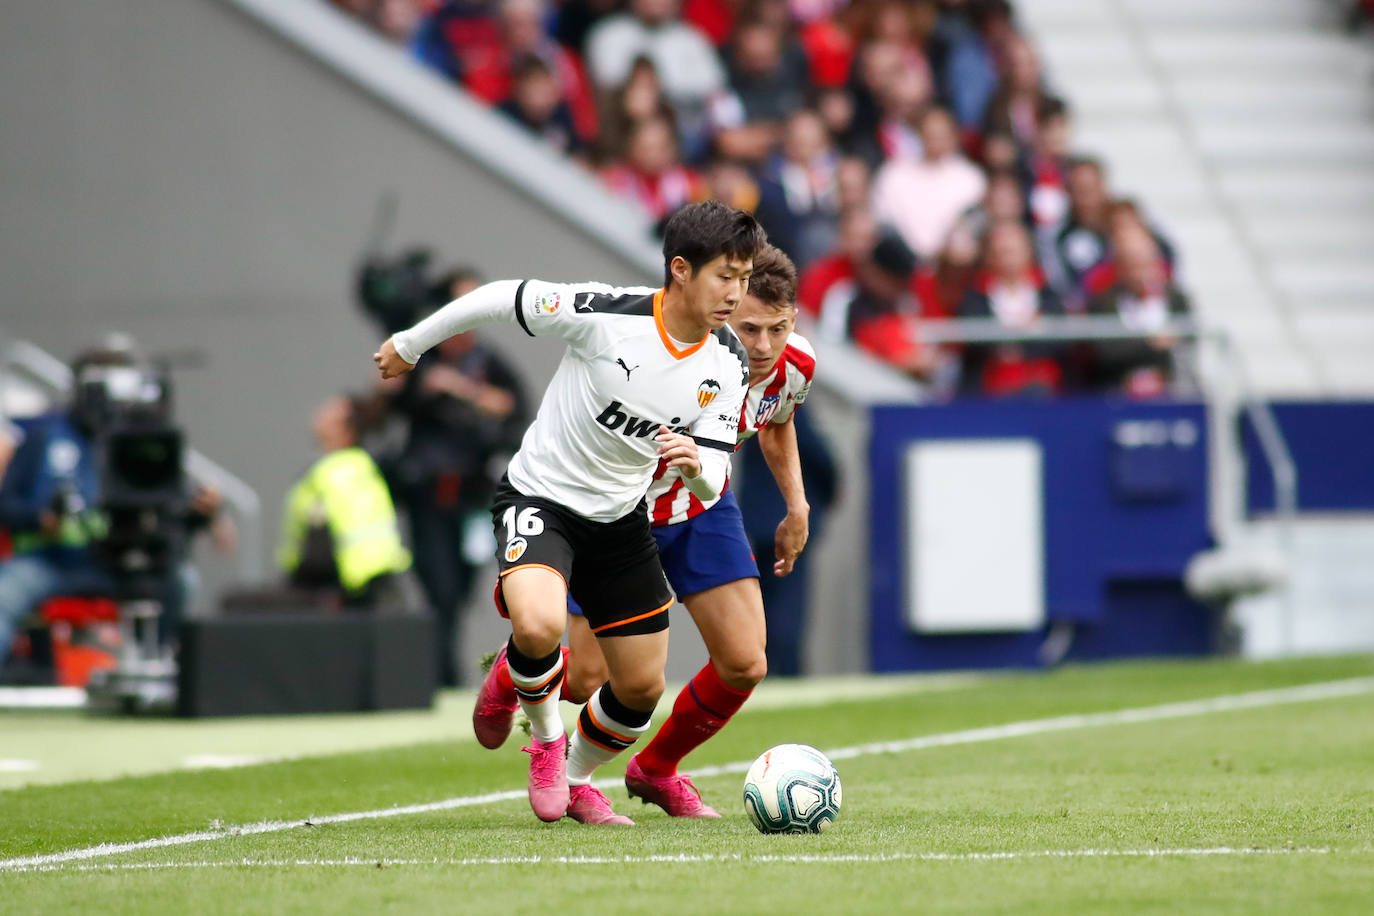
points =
(792, 788)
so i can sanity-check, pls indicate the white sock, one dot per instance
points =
(538, 697)
(601, 734)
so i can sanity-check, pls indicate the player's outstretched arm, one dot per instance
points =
(779, 444)
(389, 361)
(488, 303)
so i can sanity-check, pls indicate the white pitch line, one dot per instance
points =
(1303, 694)
(11, 765)
(1307, 693)
(701, 859)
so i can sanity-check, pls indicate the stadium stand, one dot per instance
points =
(777, 97)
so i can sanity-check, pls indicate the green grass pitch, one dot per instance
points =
(1265, 807)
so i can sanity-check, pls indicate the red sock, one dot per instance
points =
(702, 709)
(565, 692)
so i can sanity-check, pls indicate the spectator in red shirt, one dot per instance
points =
(487, 70)
(458, 36)
(884, 316)
(1049, 157)
(830, 278)
(1124, 218)
(651, 172)
(1013, 293)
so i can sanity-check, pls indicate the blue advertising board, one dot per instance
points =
(1123, 507)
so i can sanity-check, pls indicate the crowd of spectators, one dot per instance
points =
(908, 154)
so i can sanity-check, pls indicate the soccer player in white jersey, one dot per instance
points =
(707, 557)
(650, 379)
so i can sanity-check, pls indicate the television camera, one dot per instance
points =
(140, 527)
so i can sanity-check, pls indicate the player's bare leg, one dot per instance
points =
(536, 599)
(730, 618)
(615, 716)
(586, 665)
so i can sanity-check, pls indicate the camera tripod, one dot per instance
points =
(144, 678)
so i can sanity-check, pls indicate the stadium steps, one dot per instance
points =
(1247, 128)
(1332, 580)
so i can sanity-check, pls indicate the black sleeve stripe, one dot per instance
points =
(635, 304)
(726, 335)
(715, 443)
(519, 312)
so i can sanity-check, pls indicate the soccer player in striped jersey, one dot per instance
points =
(650, 380)
(707, 557)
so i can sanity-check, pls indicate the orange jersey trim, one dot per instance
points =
(663, 335)
(507, 572)
(621, 623)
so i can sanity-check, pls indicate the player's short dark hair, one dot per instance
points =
(774, 281)
(700, 233)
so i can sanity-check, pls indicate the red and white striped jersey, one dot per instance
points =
(771, 400)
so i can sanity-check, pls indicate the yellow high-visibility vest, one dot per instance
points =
(345, 491)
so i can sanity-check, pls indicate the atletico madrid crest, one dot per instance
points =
(707, 391)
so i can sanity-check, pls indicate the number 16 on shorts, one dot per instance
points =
(520, 524)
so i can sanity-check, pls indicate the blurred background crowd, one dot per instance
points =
(909, 155)
(914, 157)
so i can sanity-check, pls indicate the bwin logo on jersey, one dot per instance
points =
(707, 391)
(615, 418)
(767, 407)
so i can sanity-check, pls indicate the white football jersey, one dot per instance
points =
(591, 446)
(770, 400)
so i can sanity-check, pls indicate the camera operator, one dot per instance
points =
(51, 499)
(466, 407)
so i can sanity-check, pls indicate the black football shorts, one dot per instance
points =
(612, 569)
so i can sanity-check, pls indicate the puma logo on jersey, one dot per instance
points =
(582, 302)
(628, 369)
(614, 418)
